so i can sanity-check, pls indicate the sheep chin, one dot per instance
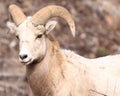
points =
(27, 62)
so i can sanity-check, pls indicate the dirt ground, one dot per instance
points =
(97, 34)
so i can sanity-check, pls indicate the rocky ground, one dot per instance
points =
(97, 34)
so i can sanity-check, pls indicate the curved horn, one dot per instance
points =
(17, 14)
(42, 16)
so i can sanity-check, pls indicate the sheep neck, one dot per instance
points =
(43, 76)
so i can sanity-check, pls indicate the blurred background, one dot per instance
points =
(97, 34)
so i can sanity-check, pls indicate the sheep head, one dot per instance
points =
(32, 31)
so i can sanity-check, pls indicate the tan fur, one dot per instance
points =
(56, 76)
(64, 76)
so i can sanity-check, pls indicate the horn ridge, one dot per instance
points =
(44, 14)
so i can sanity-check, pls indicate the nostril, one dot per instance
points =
(24, 56)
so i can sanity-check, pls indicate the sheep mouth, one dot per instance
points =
(27, 62)
(31, 61)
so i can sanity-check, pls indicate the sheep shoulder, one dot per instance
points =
(76, 72)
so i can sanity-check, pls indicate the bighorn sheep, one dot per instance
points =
(52, 71)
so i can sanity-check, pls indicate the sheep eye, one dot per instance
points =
(17, 37)
(39, 36)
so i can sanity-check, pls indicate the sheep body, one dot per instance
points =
(61, 76)
(79, 76)
(104, 72)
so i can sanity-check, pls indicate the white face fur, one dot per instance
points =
(32, 43)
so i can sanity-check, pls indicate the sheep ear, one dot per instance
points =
(50, 25)
(11, 26)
